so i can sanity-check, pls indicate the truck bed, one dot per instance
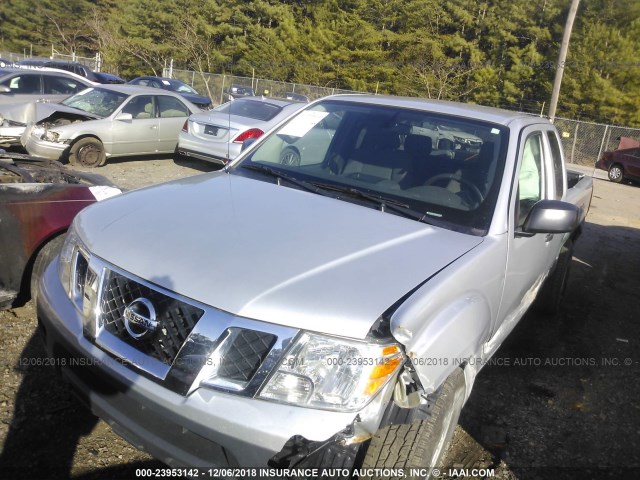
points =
(579, 191)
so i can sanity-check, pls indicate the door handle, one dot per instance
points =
(154, 127)
(548, 237)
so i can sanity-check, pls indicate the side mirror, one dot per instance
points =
(247, 143)
(4, 89)
(124, 117)
(552, 216)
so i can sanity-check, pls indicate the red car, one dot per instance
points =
(38, 200)
(621, 164)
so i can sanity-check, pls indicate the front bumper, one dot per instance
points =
(10, 136)
(44, 149)
(203, 429)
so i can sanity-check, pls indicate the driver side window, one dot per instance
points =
(531, 178)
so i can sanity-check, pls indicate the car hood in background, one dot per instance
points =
(36, 111)
(197, 99)
(269, 252)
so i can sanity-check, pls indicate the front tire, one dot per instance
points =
(422, 443)
(616, 173)
(47, 253)
(88, 152)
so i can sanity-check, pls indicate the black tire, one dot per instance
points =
(422, 443)
(47, 253)
(88, 152)
(552, 291)
(290, 157)
(616, 173)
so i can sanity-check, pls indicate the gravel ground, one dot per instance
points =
(560, 400)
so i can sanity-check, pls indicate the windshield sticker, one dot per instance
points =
(304, 122)
(495, 131)
(166, 82)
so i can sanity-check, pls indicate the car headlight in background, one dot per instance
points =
(332, 373)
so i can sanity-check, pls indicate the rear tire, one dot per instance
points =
(88, 152)
(616, 173)
(552, 292)
(422, 443)
(46, 254)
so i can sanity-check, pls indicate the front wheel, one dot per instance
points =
(88, 152)
(616, 174)
(421, 444)
(46, 254)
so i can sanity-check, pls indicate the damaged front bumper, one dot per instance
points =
(10, 134)
(201, 429)
(41, 148)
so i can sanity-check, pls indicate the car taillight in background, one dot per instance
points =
(185, 127)
(247, 134)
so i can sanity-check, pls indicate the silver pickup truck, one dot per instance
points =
(328, 298)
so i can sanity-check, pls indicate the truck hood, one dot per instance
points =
(269, 252)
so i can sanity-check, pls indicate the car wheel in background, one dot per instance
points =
(87, 152)
(290, 156)
(616, 174)
(47, 253)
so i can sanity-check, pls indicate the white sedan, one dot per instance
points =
(107, 121)
(218, 135)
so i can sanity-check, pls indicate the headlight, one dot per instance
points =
(50, 136)
(44, 134)
(78, 280)
(332, 373)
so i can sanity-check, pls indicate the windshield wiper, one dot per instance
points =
(384, 203)
(278, 175)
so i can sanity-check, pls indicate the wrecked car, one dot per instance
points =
(330, 312)
(108, 121)
(38, 200)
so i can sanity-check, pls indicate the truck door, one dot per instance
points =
(530, 256)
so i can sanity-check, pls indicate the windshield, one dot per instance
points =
(254, 109)
(179, 87)
(97, 101)
(393, 155)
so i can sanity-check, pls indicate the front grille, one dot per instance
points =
(246, 353)
(176, 319)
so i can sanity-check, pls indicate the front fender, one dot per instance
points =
(445, 340)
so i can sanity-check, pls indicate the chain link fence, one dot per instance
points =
(584, 142)
(216, 85)
(93, 63)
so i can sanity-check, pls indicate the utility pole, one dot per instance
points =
(562, 58)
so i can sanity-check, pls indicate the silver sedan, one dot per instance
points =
(218, 135)
(107, 121)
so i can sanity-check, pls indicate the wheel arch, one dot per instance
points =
(25, 286)
(447, 340)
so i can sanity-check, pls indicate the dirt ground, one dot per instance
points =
(560, 400)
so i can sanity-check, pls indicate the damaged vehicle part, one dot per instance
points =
(107, 121)
(354, 286)
(38, 200)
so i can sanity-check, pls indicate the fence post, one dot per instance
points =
(606, 130)
(573, 146)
